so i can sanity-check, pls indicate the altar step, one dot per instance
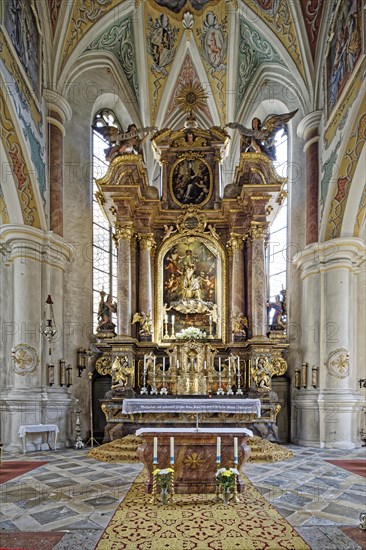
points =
(125, 450)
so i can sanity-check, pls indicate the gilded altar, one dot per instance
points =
(192, 298)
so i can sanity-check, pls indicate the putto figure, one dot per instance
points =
(261, 137)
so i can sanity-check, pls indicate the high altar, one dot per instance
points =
(191, 302)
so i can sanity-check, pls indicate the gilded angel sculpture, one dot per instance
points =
(260, 138)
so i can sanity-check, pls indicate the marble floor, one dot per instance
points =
(77, 496)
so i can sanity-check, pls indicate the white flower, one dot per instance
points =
(220, 471)
(191, 333)
(235, 471)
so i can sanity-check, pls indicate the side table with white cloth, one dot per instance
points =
(38, 428)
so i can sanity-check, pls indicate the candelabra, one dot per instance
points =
(239, 391)
(166, 333)
(220, 389)
(91, 440)
(154, 390)
(144, 390)
(229, 380)
(79, 444)
(163, 390)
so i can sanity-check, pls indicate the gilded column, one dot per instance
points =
(59, 112)
(308, 129)
(147, 242)
(123, 236)
(257, 235)
(235, 246)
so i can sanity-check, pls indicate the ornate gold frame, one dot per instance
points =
(191, 156)
(222, 293)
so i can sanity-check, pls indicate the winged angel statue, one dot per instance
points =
(261, 137)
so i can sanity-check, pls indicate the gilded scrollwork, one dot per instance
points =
(103, 365)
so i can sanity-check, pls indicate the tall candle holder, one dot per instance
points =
(166, 333)
(154, 390)
(220, 389)
(153, 490)
(163, 390)
(172, 336)
(210, 333)
(229, 380)
(239, 391)
(144, 390)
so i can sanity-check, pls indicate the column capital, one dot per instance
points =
(308, 126)
(146, 240)
(342, 253)
(234, 243)
(257, 230)
(56, 102)
(123, 231)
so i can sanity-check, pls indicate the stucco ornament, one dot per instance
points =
(338, 363)
(25, 359)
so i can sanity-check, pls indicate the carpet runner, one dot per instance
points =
(198, 522)
(11, 469)
(124, 450)
(354, 466)
(29, 541)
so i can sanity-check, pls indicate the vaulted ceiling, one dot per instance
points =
(234, 49)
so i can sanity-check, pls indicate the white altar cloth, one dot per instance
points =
(133, 406)
(37, 428)
(218, 431)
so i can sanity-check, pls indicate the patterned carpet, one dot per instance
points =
(198, 522)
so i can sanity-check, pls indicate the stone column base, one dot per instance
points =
(327, 418)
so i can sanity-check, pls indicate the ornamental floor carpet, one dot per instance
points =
(11, 469)
(198, 522)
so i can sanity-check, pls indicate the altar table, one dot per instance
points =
(194, 454)
(37, 428)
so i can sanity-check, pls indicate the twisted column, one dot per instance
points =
(123, 236)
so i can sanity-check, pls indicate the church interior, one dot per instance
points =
(183, 275)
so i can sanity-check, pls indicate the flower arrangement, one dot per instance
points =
(191, 333)
(164, 477)
(225, 477)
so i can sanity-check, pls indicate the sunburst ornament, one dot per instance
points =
(191, 97)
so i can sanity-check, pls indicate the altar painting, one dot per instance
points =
(191, 284)
(191, 182)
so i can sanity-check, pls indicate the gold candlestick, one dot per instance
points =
(153, 490)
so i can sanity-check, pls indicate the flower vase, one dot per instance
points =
(164, 495)
(226, 495)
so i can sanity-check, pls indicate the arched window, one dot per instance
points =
(277, 248)
(104, 250)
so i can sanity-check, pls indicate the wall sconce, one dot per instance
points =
(304, 371)
(314, 376)
(81, 356)
(68, 376)
(51, 373)
(62, 364)
(362, 382)
(297, 378)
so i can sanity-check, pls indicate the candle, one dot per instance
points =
(218, 450)
(205, 365)
(172, 450)
(238, 363)
(220, 364)
(155, 451)
(166, 317)
(145, 361)
(235, 450)
(177, 364)
(173, 319)
(163, 364)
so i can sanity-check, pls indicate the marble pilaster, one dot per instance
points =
(123, 235)
(308, 130)
(257, 235)
(235, 248)
(59, 112)
(146, 241)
